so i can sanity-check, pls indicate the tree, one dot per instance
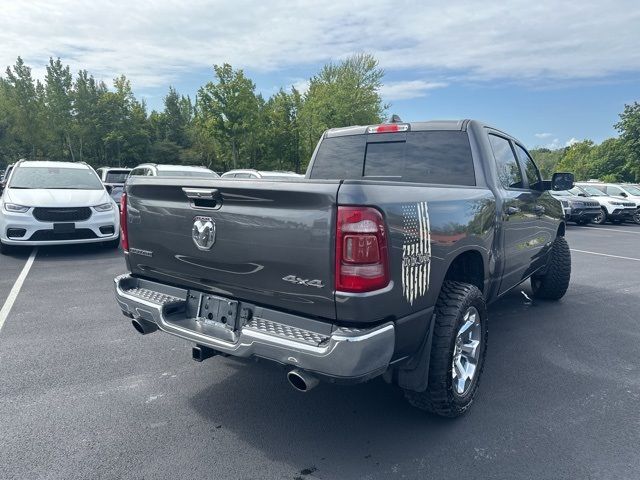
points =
(230, 108)
(629, 128)
(25, 105)
(341, 95)
(58, 102)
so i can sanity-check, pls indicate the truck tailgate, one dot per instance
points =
(273, 241)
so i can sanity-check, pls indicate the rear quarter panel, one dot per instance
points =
(444, 221)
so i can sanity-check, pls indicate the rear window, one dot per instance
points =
(116, 176)
(441, 157)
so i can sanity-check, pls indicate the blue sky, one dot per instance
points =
(548, 72)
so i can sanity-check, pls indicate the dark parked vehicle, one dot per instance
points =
(577, 209)
(380, 262)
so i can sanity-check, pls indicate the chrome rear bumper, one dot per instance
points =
(342, 353)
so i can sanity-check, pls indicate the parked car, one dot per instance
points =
(577, 209)
(250, 173)
(380, 262)
(114, 178)
(51, 203)
(5, 177)
(622, 191)
(612, 209)
(159, 170)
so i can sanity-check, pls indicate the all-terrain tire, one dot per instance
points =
(554, 282)
(440, 396)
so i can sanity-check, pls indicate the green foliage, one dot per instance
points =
(629, 128)
(229, 125)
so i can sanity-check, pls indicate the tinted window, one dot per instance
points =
(116, 176)
(530, 169)
(137, 171)
(340, 157)
(509, 173)
(56, 178)
(441, 157)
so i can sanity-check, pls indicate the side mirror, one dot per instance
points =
(622, 194)
(562, 181)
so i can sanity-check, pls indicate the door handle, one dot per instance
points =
(512, 210)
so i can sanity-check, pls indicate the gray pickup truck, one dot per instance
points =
(380, 262)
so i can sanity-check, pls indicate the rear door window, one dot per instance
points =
(530, 169)
(439, 157)
(509, 173)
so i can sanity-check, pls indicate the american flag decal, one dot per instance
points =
(416, 251)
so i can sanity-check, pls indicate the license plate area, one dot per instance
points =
(211, 310)
(62, 228)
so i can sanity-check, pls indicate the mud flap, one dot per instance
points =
(414, 375)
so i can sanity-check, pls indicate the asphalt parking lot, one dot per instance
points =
(82, 395)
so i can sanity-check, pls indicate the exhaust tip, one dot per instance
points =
(143, 327)
(302, 381)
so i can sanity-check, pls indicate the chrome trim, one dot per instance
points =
(200, 192)
(346, 353)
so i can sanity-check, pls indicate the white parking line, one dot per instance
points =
(614, 230)
(15, 290)
(605, 255)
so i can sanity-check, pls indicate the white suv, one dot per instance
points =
(622, 191)
(52, 203)
(616, 210)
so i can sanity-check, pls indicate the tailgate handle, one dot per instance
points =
(208, 198)
(207, 193)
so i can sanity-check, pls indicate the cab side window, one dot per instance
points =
(530, 169)
(509, 173)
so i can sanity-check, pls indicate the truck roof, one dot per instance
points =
(460, 125)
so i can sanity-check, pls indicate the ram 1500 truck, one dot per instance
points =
(380, 262)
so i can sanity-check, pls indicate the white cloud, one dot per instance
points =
(408, 89)
(571, 141)
(300, 84)
(157, 42)
(544, 135)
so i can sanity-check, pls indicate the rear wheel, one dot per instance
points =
(601, 218)
(554, 282)
(457, 351)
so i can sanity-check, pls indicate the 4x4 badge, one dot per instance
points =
(303, 281)
(203, 232)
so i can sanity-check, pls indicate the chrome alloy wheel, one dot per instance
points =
(466, 352)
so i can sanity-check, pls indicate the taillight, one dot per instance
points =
(124, 238)
(361, 250)
(388, 128)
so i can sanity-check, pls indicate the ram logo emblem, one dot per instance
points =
(203, 232)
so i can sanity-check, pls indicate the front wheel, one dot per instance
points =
(457, 351)
(554, 282)
(601, 218)
(636, 217)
